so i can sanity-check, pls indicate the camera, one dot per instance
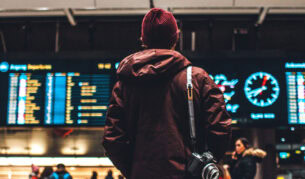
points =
(203, 165)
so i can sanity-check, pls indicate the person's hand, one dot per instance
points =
(226, 167)
(234, 157)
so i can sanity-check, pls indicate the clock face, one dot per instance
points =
(261, 89)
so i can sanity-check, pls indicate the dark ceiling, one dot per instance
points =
(105, 33)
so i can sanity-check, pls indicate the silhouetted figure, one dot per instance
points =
(94, 175)
(46, 173)
(109, 175)
(35, 172)
(61, 172)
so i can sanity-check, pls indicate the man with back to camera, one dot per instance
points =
(61, 173)
(147, 131)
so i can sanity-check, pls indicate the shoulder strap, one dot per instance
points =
(189, 86)
(66, 176)
(55, 175)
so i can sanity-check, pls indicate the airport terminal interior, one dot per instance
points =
(58, 62)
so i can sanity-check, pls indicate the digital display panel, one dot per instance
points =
(295, 78)
(292, 156)
(48, 95)
(61, 93)
(24, 98)
(75, 98)
(253, 90)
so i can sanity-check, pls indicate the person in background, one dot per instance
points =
(35, 172)
(109, 175)
(147, 132)
(61, 173)
(94, 175)
(46, 173)
(244, 159)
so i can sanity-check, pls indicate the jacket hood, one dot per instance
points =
(257, 154)
(151, 64)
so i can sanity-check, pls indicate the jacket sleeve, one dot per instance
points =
(249, 169)
(217, 119)
(115, 140)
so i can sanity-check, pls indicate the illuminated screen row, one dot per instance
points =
(46, 98)
(58, 98)
(262, 92)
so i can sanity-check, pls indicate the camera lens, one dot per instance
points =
(214, 174)
(210, 171)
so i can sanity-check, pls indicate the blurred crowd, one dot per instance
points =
(61, 173)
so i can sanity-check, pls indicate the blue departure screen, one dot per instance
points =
(41, 95)
(74, 98)
(24, 98)
(295, 78)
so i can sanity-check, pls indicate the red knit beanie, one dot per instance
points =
(159, 29)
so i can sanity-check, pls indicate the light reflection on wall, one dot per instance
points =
(53, 161)
(81, 149)
(24, 143)
(35, 149)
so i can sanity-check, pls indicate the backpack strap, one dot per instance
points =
(189, 86)
(55, 175)
(66, 176)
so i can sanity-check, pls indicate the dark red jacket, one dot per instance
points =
(147, 127)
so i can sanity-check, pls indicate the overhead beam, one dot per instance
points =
(216, 10)
(3, 42)
(70, 17)
(31, 13)
(57, 38)
(151, 4)
(71, 13)
(262, 16)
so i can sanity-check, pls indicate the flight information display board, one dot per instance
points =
(46, 95)
(24, 98)
(295, 78)
(75, 98)
(265, 92)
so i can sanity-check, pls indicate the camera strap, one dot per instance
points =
(189, 86)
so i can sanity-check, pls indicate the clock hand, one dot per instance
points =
(257, 91)
(263, 84)
(263, 88)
